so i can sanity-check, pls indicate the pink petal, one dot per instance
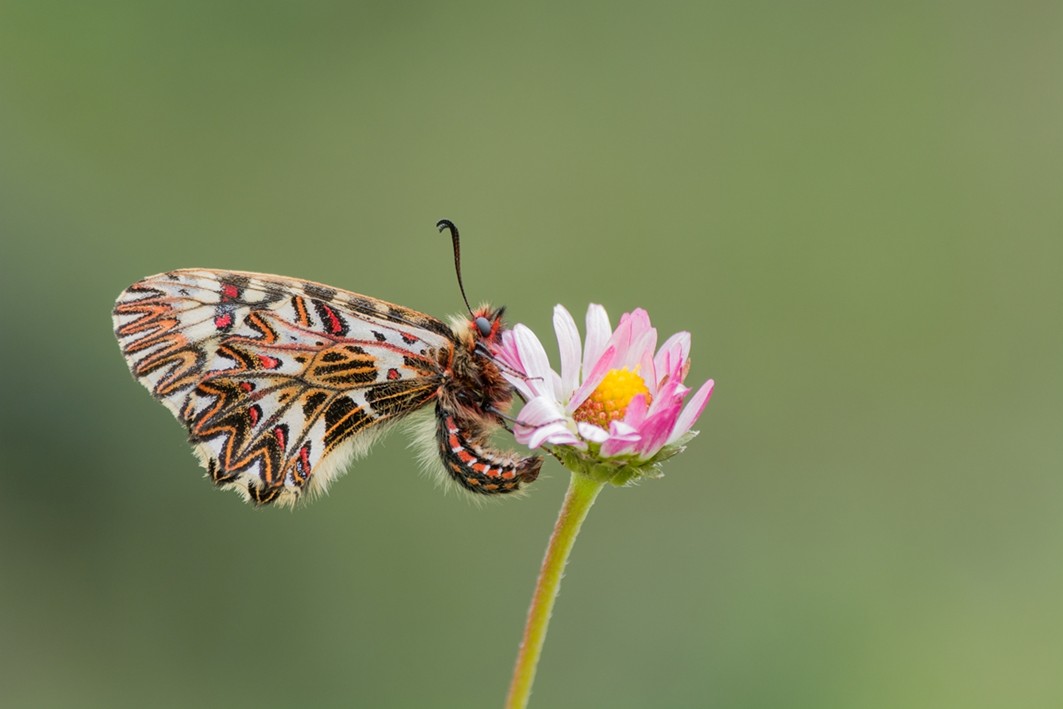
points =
(598, 332)
(692, 411)
(642, 354)
(568, 344)
(672, 355)
(593, 379)
(656, 429)
(622, 337)
(512, 368)
(506, 351)
(623, 439)
(636, 411)
(635, 325)
(671, 393)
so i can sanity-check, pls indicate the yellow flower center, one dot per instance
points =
(609, 401)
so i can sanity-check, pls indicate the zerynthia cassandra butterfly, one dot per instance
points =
(281, 382)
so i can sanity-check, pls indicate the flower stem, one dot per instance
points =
(582, 491)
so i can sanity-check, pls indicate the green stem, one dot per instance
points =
(582, 491)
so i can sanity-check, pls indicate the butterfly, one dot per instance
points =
(282, 382)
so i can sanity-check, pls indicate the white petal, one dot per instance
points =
(622, 430)
(592, 433)
(519, 384)
(598, 332)
(568, 344)
(540, 411)
(556, 434)
(555, 383)
(533, 357)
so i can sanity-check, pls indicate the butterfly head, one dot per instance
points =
(486, 325)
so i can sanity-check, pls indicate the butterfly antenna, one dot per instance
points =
(485, 352)
(449, 225)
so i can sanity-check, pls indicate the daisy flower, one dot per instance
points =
(616, 408)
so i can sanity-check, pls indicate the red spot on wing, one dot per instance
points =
(254, 413)
(408, 338)
(393, 374)
(304, 460)
(268, 362)
(465, 456)
(333, 322)
(223, 321)
(247, 386)
(229, 291)
(279, 434)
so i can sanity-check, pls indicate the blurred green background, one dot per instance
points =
(855, 209)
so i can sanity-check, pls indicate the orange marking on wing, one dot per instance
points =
(256, 321)
(184, 371)
(357, 410)
(408, 393)
(300, 311)
(152, 314)
(243, 361)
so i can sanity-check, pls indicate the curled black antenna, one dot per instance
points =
(449, 225)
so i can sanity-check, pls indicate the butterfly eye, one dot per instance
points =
(483, 325)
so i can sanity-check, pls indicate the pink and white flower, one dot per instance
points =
(618, 399)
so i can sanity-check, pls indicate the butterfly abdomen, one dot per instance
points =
(471, 398)
(473, 465)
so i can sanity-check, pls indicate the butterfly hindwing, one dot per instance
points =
(279, 381)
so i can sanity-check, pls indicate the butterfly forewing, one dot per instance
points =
(279, 381)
